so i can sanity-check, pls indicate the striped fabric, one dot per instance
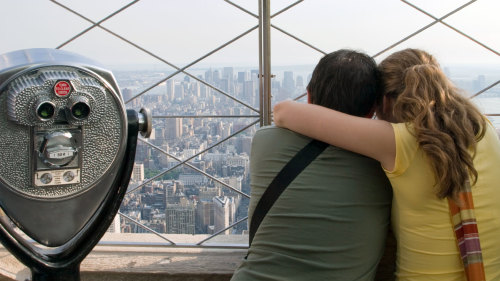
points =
(467, 235)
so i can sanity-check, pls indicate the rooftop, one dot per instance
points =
(183, 60)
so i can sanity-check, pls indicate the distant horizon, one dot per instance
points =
(166, 67)
(455, 71)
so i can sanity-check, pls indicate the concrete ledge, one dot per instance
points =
(125, 265)
(110, 263)
(113, 276)
(175, 264)
(152, 263)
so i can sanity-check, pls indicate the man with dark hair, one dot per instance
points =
(330, 223)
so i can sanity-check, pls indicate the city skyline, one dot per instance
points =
(140, 42)
(184, 200)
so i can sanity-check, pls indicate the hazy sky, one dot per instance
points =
(181, 32)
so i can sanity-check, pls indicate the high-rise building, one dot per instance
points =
(192, 179)
(203, 91)
(138, 172)
(173, 128)
(180, 218)
(243, 76)
(170, 89)
(300, 82)
(194, 89)
(209, 78)
(162, 157)
(159, 199)
(228, 73)
(127, 94)
(224, 212)
(208, 193)
(288, 82)
(238, 160)
(224, 84)
(249, 92)
(204, 215)
(146, 213)
(115, 227)
(216, 77)
(244, 144)
(178, 91)
(171, 191)
(234, 181)
(254, 73)
(158, 225)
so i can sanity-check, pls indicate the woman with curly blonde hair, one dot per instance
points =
(442, 158)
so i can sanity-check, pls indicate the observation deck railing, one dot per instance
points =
(257, 115)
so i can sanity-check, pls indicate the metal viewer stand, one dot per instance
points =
(67, 152)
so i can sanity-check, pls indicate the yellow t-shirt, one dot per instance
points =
(426, 243)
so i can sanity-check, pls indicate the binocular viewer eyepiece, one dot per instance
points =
(67, 147)
(77, 109)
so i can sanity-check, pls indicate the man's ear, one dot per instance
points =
(309, 97)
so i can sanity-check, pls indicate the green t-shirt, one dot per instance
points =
(329, 224)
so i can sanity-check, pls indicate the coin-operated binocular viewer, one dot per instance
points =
(67, 148)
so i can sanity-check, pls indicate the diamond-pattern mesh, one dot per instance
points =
(223, 32)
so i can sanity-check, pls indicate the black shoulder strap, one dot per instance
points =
(287, 174)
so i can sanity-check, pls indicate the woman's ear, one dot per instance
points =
(309, 97)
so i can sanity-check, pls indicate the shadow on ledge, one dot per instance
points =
(122, 263)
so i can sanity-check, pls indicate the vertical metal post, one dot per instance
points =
(265, 62)
(261, 67)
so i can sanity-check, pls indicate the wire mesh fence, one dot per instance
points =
(200, 66)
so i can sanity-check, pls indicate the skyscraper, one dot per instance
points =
(127, 94)
(300, 82)
(170, 89)
(209, 76)
(180, 218)
(288, 82)
(242, 76)
(173, 128)
(216, 77)
(204, 215)
(224, 84)
(228, 73)
(115, 227)
(248, 92)
(178, 91)
(138, 172)
(224, 212)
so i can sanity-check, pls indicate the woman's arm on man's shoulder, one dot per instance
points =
(372, 138)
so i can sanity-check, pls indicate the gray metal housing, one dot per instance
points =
(53, 215)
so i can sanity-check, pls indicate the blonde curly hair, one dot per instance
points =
(447, 125)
